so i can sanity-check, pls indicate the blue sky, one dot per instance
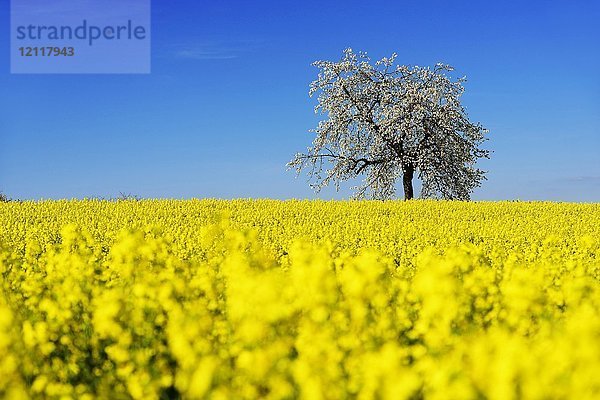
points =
(226, 105)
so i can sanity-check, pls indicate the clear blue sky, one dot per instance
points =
(226, 104)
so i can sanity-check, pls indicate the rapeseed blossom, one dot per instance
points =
(310, 300)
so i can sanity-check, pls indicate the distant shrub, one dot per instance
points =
(128, 197)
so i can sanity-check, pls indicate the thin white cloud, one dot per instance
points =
(565, 179)
(583, 179)
(200, 54)
(215, 50)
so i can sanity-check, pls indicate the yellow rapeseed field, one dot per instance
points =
(251, 299)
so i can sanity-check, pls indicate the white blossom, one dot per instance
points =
(387, 121)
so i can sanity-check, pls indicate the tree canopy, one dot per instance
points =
(386, 121)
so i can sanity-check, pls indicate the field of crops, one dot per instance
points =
(314, 300)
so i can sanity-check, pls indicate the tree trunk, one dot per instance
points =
(407, 179)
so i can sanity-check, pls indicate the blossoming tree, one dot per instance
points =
(386, 121)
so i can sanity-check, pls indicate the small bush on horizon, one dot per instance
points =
(128, 197)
